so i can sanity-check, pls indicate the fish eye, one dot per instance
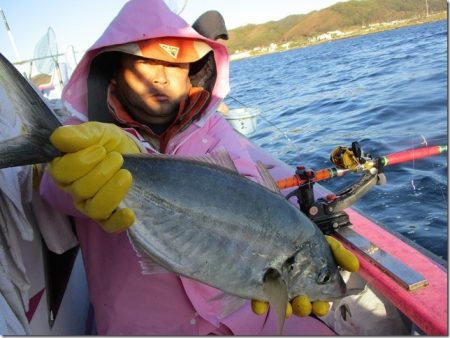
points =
(324, 276)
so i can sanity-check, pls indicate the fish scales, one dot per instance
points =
(223, 220)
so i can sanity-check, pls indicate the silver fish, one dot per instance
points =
(199, 219)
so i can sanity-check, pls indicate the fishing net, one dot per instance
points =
(176, 6)
(46, 53)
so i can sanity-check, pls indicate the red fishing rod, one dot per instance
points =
(328, 212)
(412, 155)
(353, 160)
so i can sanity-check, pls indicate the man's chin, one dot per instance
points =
(159, 120)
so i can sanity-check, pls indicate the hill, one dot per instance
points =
(348, 17)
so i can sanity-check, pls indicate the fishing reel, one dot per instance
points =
(355, 160)
(350, 158)
(328, 212)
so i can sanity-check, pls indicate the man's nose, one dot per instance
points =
(159, 75)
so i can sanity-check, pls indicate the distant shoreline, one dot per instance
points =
(372, 29)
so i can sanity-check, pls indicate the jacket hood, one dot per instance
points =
(141, 20)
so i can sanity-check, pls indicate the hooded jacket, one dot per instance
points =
(131, 295)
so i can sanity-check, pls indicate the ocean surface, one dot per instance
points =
(388, 91)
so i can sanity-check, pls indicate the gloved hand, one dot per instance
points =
(91, 171)
(301, 305)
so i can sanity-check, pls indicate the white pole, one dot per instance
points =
(10, 36)
(426, 2)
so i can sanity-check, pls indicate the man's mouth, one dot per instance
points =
(160, 97)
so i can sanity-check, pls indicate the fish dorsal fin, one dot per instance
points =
(267, 179)
(276, 291)
(220, 157)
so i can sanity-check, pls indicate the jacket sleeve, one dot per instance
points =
(56, 197)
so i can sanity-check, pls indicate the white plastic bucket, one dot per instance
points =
(243, 119)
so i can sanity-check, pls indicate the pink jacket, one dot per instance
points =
(128, 300)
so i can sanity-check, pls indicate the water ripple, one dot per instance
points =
(386, 90)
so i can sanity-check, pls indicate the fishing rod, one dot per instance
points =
(349, 160)
(352, 159)
(328, 212)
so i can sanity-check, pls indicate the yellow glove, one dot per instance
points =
(91, 171)
(260, 307)
(301, 305)
(344, 258)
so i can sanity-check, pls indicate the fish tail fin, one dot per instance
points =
(26, 122)
(276, 291)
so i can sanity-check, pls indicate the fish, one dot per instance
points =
(198, 217)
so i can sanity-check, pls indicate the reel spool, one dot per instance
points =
(348, 158)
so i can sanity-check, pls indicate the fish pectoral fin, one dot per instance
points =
(267, 179)
(275, 289)
(228, 304)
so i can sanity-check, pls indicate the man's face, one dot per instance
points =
(151, 90)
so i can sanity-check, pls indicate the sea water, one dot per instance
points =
(388, 91)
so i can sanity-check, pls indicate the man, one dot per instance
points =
(153, 75)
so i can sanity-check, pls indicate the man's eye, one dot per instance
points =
(141, 61)
(147, 61)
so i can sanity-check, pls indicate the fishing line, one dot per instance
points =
(433, 166)
(413, 163)
(294, 146)
(291, 143)
(425, 143)
(424, 140)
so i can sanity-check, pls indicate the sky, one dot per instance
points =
(79, 23)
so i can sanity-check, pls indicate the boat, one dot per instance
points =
(404, 286)
(396, 274)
